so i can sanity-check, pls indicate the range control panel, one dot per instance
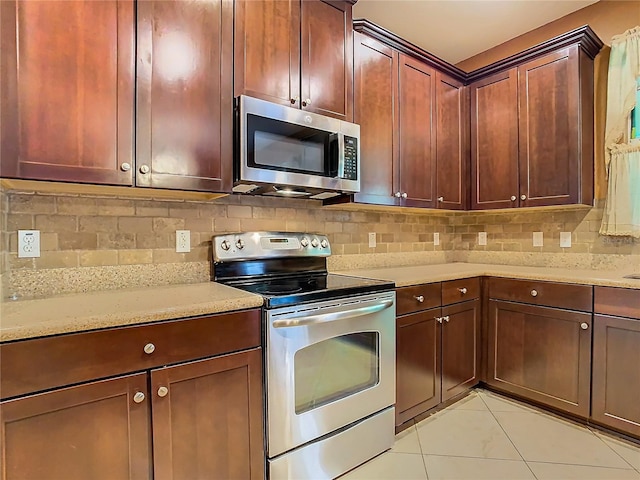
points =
(256, 245)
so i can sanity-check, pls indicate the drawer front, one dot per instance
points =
(561, 295)
(460, 290)
(38, 364)
(622, 302)
(417, 297)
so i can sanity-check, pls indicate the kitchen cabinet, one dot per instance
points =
(437, 347)
(67, 90)
(540, 342)
(297, 53)
(196, 405)
(184, 95)
(616, 356)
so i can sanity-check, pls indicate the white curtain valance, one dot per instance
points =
(622, 210)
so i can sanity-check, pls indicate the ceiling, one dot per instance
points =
(455, 30)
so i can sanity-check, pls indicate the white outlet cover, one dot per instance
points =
(372, 239)
(482, 238)
(436, 239)
(183, 241)
(565, 239)
(538, 239)
(28, 243)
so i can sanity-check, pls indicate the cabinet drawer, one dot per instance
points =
(460, 290)
(38, 364)
(417, 297)
(562, 295)
(622, 302)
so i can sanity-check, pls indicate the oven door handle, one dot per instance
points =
(302, 319)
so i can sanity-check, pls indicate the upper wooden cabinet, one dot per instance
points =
(532, 126)
(67, 90)
(184, 95)
(297, 53)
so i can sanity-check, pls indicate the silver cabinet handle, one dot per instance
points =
(149, 348)
(419, 298)
(303, 319)
(446, 318)
(125, 167)
(463, 290)
(523, 197)
(404, 195)
(513, 198)
(584, 325)
(144, 169)
(162, 391)
(534, 293)
(441, 199)
(397, 194)
(138, 397)
(439, 319)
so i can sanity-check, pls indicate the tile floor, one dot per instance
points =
(487, 436)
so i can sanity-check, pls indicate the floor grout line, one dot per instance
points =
(580, 465)
(424, 462)
(614, 450)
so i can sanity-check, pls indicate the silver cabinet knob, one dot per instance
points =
(240, 244)
(315, 243)
(162, 391)
(125, 167)
(324, 243)
(463, 290)
(584, 325)
(446, 318)
(225, 245)
(513, 198)
(138, 397)
(439, 319)
(419, 298)
(144, 169)
(397, 194)
(534, 293)
(523, 197)
(294, 100)
(441, 199)
(304, 242)
(149, 348)
(306, 102)
(404, 195)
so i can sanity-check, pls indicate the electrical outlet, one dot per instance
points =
(565, 239)
(372, 239)
(482, 238)
(183, 240)
(538, 239)
(28, 243)
(436, 239)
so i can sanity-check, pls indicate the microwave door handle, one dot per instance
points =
(304, 320)
(340, 172)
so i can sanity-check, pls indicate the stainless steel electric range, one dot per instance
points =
(329, 352)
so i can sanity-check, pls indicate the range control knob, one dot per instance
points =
(304, 242)
(240, 244)
(324, 243)
(315, 243)
(225, 245)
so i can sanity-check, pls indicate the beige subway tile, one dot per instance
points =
(13, 242)
(286, 213)
(151, 208)
(56, 223)
(96, 258)
(116, 240)
(226, 225)
(381, 248)
(77, 241)
(199, 224)
(594, 226)
(351, 249)
(167, 256)
(337, 249)
(512, 247)
(49, 242)
(97, 224)
(390, 237)
(167, 225)
(116, 206)
(256, 224)
(135, 225)
(63, 259)
(184, 210)
(406, 247)
(23, 203)
(340, 238)
(264, 212)
(209, 210)
(239, 211)
(359, 217)
(512, 227)
(332, 227)
(77, 205)
(197, 254)
(153, 240)
(15, 263)
(20, 221)
(394, 247)
(478, 228)
(135, 257)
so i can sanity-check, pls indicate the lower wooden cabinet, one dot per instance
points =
(541, 353)
(205, 419)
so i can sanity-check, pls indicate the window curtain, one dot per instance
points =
(622, 207)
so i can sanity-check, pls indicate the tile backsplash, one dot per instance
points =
(94, 242)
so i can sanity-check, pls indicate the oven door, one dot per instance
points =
(328, 364)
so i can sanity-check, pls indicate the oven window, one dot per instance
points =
(336, 368)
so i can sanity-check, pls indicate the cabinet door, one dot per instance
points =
(67, 90)
(416, 101)
(541, 353)
(549, 127)
(452, 143)
(93, 430)
(616, 373)
(267, 50)
(207, 418)
(376, 84)
(460, 348)
(327, 58)
(494, 141)
(417, 364)
(185, 105)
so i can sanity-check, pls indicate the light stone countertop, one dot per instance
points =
(114, 308)
(415, 275)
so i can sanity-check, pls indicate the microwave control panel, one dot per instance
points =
(350, 158)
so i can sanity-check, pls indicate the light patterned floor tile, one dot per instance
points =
(460, 468)
(390, 466)
(627, 450)
(407, 442)
(542, 438)
(497, 403)
(556, 471)
(465, 433)
(470, 402)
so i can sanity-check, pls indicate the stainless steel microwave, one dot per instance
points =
(286, 151)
